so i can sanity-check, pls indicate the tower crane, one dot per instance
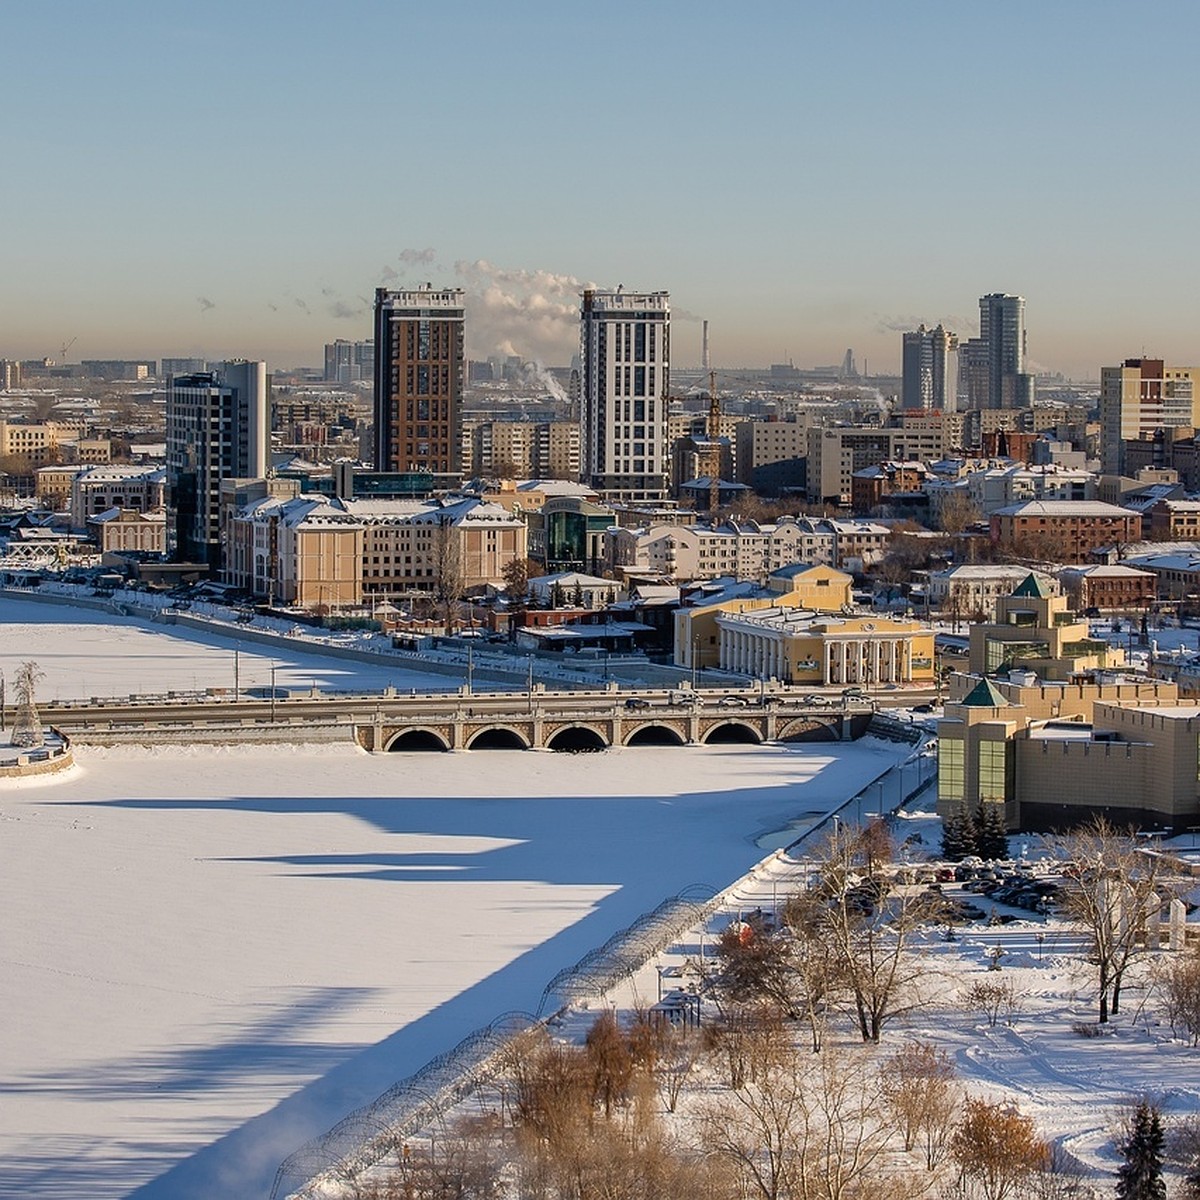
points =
(62, 356)
(714, 448)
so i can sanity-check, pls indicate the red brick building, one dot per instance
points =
(1064, 530)
(1114, 588)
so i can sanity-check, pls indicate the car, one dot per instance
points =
(922, 708)
(637, 702)
(816, 700)
(733, 701)
(854, 693)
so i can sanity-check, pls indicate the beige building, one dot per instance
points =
(1034, 630)
(98, 489)
(1141, 396)
(54, 485)
(119, 530)
(37, 443)
(342, 553)
(1055, 755)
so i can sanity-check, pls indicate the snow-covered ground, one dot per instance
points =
(209, 955)
(86, 652)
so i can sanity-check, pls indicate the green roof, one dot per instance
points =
(1031, 586)
(984, 695)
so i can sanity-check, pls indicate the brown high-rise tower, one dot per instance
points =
(418, 379)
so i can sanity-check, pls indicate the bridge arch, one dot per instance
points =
(811, 729)
(655, 735)
(576, 739)
(736, 733)
(418, 739)
(498, 737)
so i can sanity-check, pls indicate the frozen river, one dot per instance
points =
(211, 954)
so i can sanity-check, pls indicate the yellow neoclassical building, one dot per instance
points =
(812, 648)
(805, 635)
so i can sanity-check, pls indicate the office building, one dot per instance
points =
(419, 366)
(217, 428)
(349, 362)
(1002, 334)
(1139, 398)
(930, 370)
(625, 355)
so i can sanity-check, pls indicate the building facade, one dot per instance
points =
(929, 371)
(218, 425)
(1141, 397)
(1002, 332)
(625, 352)
(419, 361)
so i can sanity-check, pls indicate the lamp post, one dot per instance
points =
(470, 666)
(2, 709)
(695, 660)
(274, 668)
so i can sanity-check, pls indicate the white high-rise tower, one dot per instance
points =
(625, 354)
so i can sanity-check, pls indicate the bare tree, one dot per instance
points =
(1119, 885)
(920, 1087)
(992, 998)
(449, 571)
(812, 1128)
(1179, 984)
(871, 932)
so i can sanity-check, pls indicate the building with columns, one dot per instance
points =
(823, 651)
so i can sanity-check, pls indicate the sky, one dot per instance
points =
(226, 178)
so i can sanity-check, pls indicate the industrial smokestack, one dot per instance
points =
(704, 350)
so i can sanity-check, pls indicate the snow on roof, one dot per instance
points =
(1102, 570)
(1063, 508)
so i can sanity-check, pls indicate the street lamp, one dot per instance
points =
(274, 668)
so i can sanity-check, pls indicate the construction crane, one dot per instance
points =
(62, 355)
(714, 448)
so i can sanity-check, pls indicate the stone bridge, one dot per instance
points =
(388, 721)
(572, 726)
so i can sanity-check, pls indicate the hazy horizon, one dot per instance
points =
(232, 179)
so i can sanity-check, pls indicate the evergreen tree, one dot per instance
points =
(556, 595)
(958, 834)
(1139, 1176)
(991, 834)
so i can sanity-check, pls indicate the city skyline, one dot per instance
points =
(228, 181)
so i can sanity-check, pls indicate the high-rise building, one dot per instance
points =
(419, 365)
(625, 351)
(930, 370)
(348, 362)
(218, 425)
(1002, 332)
(1141, 397)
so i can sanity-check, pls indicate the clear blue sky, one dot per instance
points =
(237, 177)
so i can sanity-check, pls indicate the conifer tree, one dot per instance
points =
(991, 834)
(1139, 1176)
(958, 834)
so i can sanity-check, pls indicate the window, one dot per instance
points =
(993, 781)
(951, 763)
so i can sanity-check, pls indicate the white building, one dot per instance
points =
(975, 587)
(625, 356)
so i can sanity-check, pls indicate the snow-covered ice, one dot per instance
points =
(211, 954)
